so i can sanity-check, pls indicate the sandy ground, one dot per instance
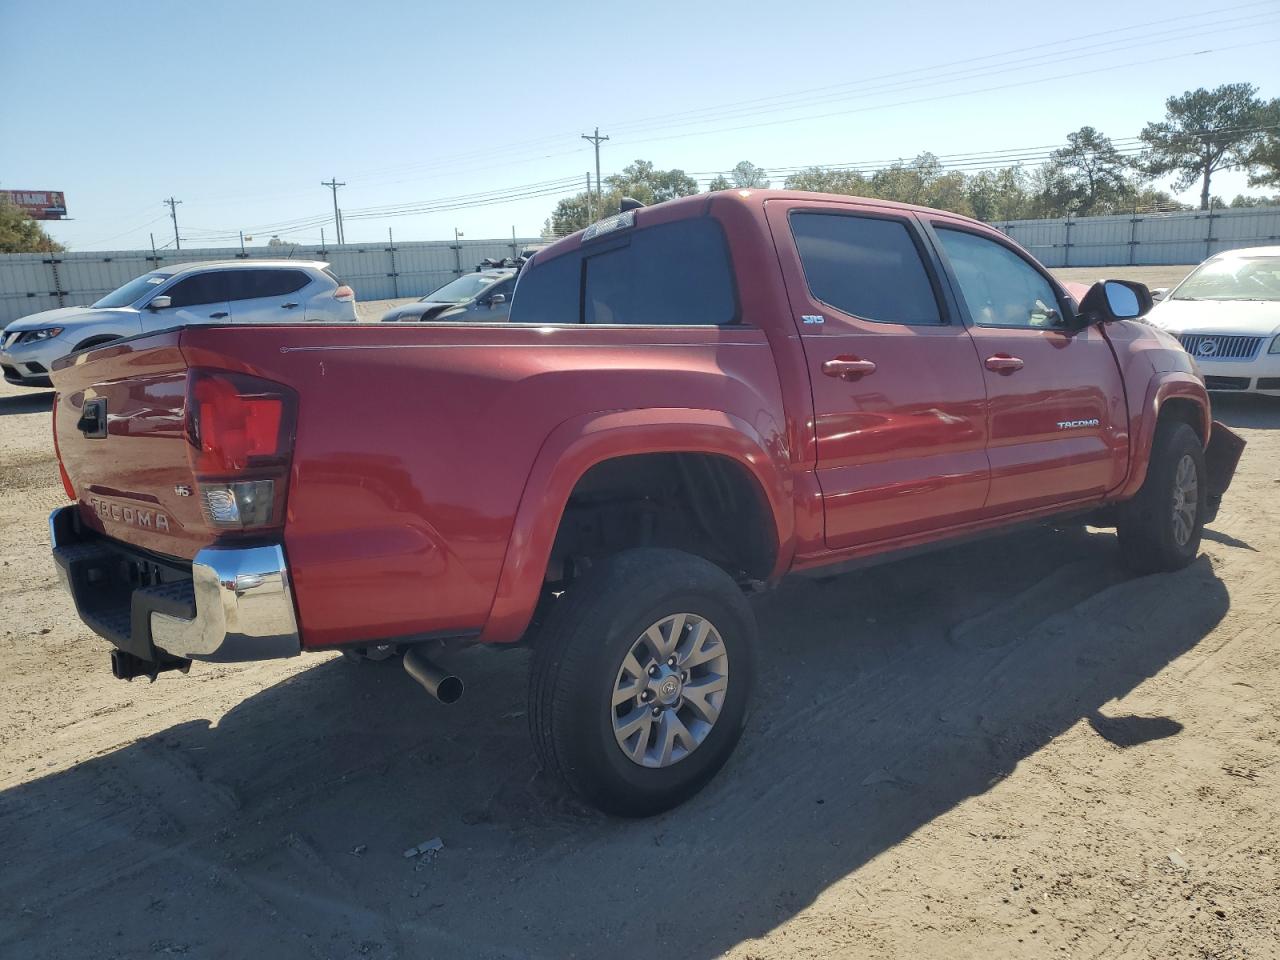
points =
(1007, 749)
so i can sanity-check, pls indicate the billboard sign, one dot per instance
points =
(38, 204)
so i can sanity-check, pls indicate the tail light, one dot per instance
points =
(344, 294)
(240, 446)
(62, 471)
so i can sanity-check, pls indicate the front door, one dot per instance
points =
(898, 393)
(1057, 423)
(194, 298)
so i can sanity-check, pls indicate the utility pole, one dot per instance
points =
(173, 212)
(333, 184)
(154, 258)
(242, 253)
(596, 139)
(322, 246)
(590, 215)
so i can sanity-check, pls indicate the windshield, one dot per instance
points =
(1234, 278)
(132, 291)
(462, 289)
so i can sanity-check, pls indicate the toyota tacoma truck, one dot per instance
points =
(690, 402)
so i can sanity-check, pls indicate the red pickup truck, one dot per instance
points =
(689, 402)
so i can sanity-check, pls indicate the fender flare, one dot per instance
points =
(1162, 388)
(578, 444)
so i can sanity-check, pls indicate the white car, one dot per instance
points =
(1226, 313)
(234, 291)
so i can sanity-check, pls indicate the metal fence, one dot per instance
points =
(31, 282)
(1144, 239)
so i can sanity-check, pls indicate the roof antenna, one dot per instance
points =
(629, 203)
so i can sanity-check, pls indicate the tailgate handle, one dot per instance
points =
(93, 419)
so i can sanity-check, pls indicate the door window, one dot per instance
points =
(194, 291)
(671, 274)
(998, 286)
(868, 267)
(254, 284)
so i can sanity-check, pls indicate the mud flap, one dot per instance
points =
(1221, 458)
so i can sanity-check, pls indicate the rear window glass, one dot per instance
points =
(865, 266)
(671, 274)
(252, 284)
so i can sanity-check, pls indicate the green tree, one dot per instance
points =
(746, 175)
(999, 194)
(579, 211)
(20, 234)
(644, 182)
(1089, 175)
(1264, 160)
(828, 180)
(719, 183)
(1205, 131)
(1241, 201)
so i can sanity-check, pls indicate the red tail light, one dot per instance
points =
(240, 436)
(345, 294)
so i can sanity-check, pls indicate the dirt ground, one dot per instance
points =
(1007, 749)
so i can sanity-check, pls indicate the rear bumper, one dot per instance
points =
(231, 604)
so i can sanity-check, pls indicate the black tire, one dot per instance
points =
(581, 647)
(1146, 525)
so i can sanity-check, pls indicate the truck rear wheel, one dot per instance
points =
(1160, 528)
(641, 679)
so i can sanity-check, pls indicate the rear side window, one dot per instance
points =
(252, 284)
(199, 289)
(866, 267)
(671, 274)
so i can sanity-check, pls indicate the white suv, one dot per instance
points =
(235, 291)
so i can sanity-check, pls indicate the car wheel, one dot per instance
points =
(1160, 528)
(641, 679)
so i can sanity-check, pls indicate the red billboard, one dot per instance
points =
(38, 204)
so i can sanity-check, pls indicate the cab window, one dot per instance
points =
(998, 286)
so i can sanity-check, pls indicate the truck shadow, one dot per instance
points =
(885, 699)
(1257, 413)
(26, 403)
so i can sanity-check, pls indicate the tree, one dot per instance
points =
(1089, 174)
(828, 180)
(746, 175)
(1205, 131)
(580, 210)
(644, 182)
(1241, 201)
(1265, 157)
(999, 194)
(719, 183)
(20, 234)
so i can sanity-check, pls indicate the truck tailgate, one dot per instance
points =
(119, 422)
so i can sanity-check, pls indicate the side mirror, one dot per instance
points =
(159, 303)
(497, 298)
(1159, 293)
(1111, 300)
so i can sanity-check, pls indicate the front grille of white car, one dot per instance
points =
(1220, 346)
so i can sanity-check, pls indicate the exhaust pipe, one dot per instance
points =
(125, 666)
(437, 681)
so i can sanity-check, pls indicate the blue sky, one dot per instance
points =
(241, 109)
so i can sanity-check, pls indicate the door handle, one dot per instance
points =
(219, 315)
(287, 306)
(1003, 363)
(846, 368)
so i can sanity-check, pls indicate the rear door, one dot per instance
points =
(194, 298)
(898, 392)
(1057, 423)
(267, 295)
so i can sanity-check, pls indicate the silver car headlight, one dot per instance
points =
(1275, 344)
(33, 336)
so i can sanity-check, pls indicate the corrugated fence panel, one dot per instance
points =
(32, 282)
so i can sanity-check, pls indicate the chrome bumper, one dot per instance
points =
(236, 604)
